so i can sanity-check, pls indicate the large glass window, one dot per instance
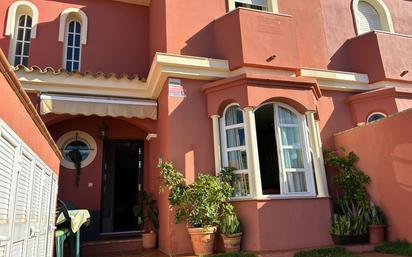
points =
(73, 46)
(22, 46)
(283, 152)
(234, 148)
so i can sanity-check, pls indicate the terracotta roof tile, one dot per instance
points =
(59, 71)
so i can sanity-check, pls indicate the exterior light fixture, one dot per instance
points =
(404, 73)
(271, 58)
(102, 132)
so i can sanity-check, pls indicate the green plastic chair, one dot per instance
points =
(64, 231)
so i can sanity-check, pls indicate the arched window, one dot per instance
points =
(234, 151)
(21, 26)
(73, 46)
(284, 155)
(73, 33)
(370, 15)
(375, 116)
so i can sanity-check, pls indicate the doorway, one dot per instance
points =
(267, 148)
(122, 181)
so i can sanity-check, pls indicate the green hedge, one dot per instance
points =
(397, 247)
(326, 252)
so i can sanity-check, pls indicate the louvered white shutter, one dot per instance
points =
(368, 18)
(28, 193)
(44, 213)
(52, 216)
(34, 226)
(9, 157)
(22, 203)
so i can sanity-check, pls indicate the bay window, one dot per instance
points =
(284, 158)
(234, 152)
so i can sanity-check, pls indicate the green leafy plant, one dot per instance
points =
(235, 254)
(146, 208)
(400, 248)
(326, 252)
(200, 204)
(352, 205)
(351, 181)
(341, 225)
(229, 223)
(376, 216)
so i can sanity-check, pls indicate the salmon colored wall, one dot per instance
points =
(284, 224)
(116, 130)
(389, 165)
(238, 39)
(18, 119)
(117, 36)
(309, 29)
(185, 137)
(157, 27)
(334, 115)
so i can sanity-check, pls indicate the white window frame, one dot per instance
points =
(66, 46)
(256, 184)
(15, 11)
(307, 159)
(272, 6)
(70, 136)
(382, 10)
(225, 149)
(66, 17)
(374, 113)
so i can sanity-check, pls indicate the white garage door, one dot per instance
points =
(28, 191)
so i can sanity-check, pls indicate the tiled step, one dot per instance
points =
(111, 246)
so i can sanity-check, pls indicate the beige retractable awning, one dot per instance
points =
(101, 106)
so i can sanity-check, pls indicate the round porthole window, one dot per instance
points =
(77, 147)
(375, 116)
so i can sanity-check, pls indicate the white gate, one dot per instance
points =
(28, 191)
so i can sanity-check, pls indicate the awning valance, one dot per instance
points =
(100, 106)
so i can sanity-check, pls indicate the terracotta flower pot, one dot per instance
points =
(203, 240)
(376, 234)
(149, 240)
(232, 242)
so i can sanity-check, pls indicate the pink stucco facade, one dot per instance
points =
(388, 166)
(305, 56)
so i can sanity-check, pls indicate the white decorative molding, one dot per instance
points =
(80, 16)
(380, 7)
(19, 8)
(151, 136)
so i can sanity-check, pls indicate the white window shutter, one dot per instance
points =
(368, 18)
(9, 158)
(52, 217)
(27, 199)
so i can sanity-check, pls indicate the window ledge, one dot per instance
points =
(278, 197)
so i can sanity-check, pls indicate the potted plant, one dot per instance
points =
(350, 221)
(350, 227)
(147, 210)
(377, 225)
(230, 230)
(198, 204)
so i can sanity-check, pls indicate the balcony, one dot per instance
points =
(256, 38)
(382, 55)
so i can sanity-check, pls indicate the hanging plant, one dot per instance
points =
(76, 158)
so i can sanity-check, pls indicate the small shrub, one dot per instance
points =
(398, 247)
(326, 252)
